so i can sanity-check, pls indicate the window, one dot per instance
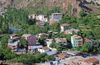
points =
(30, 42)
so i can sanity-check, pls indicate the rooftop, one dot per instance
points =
(26, 35)
(62, 55)
(14, 44)
(51, 53)
(87, 40)
(91, 60)
(13, 34)
(72, 60)
(75, 36)
(60, 39)
(71, 52)
(44, 48)
(65, 24)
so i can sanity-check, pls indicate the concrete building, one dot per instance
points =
(61, 40)
(43, 18)
(55, 17)
(43, 49)
(14, 36)
(70, 31)
(46, 50)
(49, 41)
(64, 26)
(76, 41)
(31, 41)
(26, 36)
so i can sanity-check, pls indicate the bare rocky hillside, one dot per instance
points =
(40, 4)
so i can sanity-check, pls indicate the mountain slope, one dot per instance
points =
(31, 5)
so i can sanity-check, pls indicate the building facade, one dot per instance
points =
(31, 41)
(76, 41)
(55, 17)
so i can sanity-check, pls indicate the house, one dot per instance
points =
(26, 36)
(43, 18)
(85, 40)
(64, 26)
(72, 53)
(61, 40)
(55, 17)
(2, 13)
(46, 36)
(61, 56)
(49, 41)
(5, 8)
(43, 49)
(13, 45)
(31, 41)
(70, 31)
(76, 41)
(41, 24)
(90, 61)
(46, 50)
(20, 51)
(14, 36)
(53, 32)
(51, 63)
(72, 60)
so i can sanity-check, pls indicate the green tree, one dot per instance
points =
(4, 41)
(77, 48)
(52, 45)
(23, 42)
(18, 33)
(86, 48)
(81, 13)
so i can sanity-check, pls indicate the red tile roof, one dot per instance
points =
(12, 34)
(91, 60)
(45, 48)
(62, 55)
(87, 40)
(61, 39)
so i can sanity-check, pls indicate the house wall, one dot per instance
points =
(76, 42)
(62, 28)
(56, 17)
(43, 51)
(48, 43)
(31, 40)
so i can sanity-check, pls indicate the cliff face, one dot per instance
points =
(76, 4)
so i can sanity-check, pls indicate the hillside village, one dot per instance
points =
(54, 39)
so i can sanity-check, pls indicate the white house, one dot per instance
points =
(61, 40)
(64, 26)
(43, 49)
(49, 41)
(43, 18)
